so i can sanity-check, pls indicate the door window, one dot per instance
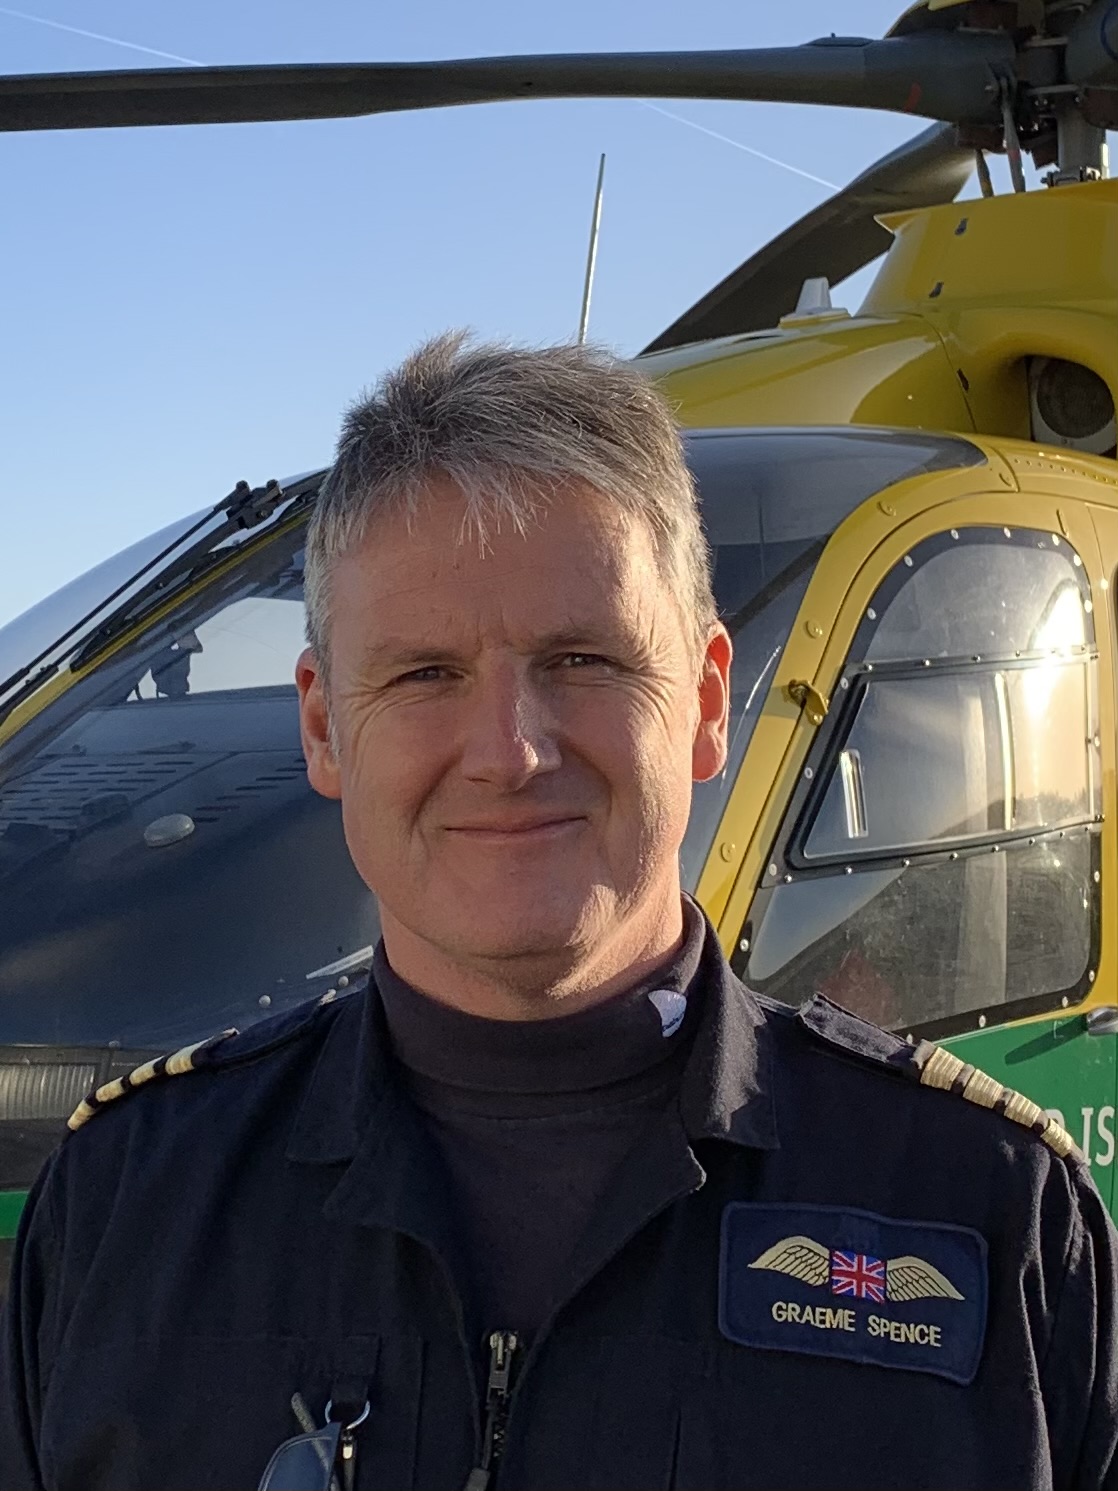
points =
(940, 864)
(958, 756)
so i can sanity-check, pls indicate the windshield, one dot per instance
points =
(35, 629)
(91, 610)
(165, 869)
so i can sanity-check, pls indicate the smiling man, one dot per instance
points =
(553, 1201)
(519, 706)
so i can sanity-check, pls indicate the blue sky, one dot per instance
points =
(186, 307)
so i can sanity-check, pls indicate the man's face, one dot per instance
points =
(517, 731)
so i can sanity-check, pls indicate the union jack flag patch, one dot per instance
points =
(859, 1275)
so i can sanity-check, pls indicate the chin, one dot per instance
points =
(508, 942)
(533, 932)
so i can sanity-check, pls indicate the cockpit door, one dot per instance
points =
(935, 860)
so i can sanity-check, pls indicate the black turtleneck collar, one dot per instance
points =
(600, 1050)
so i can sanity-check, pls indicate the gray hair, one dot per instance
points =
(508, 425)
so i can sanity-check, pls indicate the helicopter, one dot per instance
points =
(913, 514)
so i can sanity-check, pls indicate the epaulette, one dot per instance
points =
(186, 1060)
(943, 1069)
(931, 1066)
(227, 1048)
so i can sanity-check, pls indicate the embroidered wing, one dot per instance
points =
(913, 1278)
(801, 1257)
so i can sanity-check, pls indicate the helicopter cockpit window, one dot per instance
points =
(29, 634)
(252, 643)
(941, 868)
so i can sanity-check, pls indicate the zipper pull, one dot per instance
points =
(502, 1349)
(349, 1459)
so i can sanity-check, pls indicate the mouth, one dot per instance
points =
(526, 830)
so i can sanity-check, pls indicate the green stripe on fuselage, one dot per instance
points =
(11, 1205)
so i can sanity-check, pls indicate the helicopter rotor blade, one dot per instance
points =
(933, 75)
(834, 239)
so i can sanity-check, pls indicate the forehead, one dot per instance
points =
(580, 558)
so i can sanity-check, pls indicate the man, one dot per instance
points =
(554, 1202)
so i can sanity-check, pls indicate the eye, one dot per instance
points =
(431, 674)
(584, 660)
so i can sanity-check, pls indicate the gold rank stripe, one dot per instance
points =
(163, 1066)
(943, 1069)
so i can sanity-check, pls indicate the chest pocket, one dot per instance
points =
(193, 1413)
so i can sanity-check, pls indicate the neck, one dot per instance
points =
(538, 986)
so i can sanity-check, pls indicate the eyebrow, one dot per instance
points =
(405, 652)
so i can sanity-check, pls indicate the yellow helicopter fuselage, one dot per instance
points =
(968, 293)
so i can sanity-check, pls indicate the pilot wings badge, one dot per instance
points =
(840, 1282)
(857, 1275)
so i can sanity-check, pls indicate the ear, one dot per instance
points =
(314, 726)
(709, 747)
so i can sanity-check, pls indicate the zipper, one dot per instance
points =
(502, 1349)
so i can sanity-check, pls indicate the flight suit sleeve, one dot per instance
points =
(1079, 1374)
(25, 1341)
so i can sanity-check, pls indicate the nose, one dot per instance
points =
(510, 736)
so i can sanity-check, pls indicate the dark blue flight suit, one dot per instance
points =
(814, 1272)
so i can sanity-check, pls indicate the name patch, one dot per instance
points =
(832, 1281)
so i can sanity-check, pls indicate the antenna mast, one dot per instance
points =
(592, 253)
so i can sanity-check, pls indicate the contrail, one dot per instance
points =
(114, 41)
(737, 144)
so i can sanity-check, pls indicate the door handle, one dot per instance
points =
(1103, 1021)
(814, 704)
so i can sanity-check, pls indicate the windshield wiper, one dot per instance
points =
(245, 507)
